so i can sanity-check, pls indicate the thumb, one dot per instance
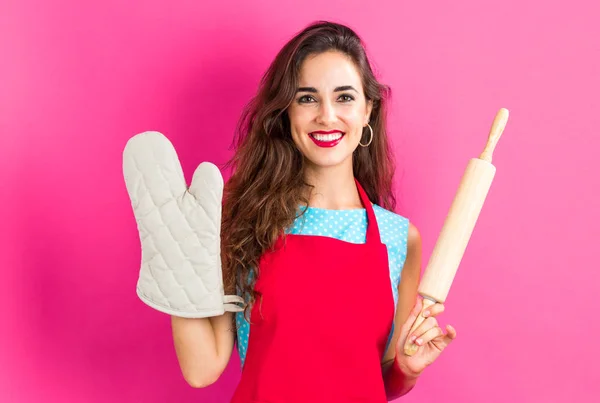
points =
(207, 179)
(202, 204)
(207, 191)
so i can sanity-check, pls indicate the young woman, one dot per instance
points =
(310, 240)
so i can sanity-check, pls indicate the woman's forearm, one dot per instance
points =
(396, 382)
(203, 347)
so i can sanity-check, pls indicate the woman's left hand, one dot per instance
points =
(429, 336)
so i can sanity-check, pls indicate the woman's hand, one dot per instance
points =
(429, 337)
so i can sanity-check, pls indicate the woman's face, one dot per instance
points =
(329, 111)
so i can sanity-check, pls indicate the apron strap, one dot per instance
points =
(372, 227)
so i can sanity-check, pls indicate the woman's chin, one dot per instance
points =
(330, 161)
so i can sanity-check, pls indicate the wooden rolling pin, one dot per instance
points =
(458, 226)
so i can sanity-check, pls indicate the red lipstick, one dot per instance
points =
(326, 144)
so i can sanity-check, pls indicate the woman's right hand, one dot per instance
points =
(180, 274)
(179, 230)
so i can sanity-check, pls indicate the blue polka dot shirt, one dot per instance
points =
(349, 226)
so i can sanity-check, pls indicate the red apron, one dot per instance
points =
(319, 332)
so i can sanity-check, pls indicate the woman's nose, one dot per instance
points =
(327, 113)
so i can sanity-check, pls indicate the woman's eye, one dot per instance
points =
(305, 99)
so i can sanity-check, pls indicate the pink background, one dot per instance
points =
(77, 80)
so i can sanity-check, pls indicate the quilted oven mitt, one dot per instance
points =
(179, 230)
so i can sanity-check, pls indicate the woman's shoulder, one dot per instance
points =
(381, 212)
(396, 229)
(390, 221)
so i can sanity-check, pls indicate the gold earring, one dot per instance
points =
(366, 145)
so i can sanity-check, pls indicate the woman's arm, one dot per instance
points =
(396, 382)
(203, 347)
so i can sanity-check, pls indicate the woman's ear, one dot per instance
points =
(369, 109)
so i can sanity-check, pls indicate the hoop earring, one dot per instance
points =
(366, 145)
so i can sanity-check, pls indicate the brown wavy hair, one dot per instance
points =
(261, 198)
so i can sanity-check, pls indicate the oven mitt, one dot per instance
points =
(179, 229)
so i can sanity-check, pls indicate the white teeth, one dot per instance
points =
(327, 137)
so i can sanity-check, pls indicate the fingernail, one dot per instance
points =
(420, 341)
(425, 314)
(413, 338)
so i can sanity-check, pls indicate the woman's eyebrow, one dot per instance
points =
(337, 89)
(345, 88)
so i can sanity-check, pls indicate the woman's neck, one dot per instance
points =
(334, 188)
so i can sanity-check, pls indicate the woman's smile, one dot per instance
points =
(326, 139)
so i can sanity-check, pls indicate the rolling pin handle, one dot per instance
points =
(495, 132)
